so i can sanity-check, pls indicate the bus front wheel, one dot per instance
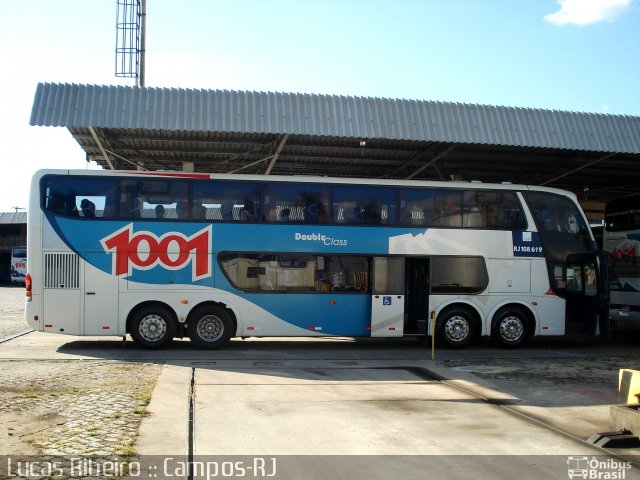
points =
(210, 327)
(455, 327)
(153, 326)
(510, 328)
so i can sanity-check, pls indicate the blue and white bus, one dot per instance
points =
(163, 255)
(18, 265)
(621, 240)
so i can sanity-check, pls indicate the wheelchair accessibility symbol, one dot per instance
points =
(386, 300)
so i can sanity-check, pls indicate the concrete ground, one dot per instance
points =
(355, 409)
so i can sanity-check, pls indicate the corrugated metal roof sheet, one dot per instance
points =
(71, 105)
(13, 217)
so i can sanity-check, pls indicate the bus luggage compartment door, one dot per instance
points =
(100, 301)
(387, 301)
(387, 315)
(61, 293)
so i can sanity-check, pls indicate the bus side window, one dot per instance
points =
(226, 201)
(349, 208)
(428, 207)
(299, 203)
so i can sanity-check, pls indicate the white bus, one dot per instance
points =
(18, 265)
(622, 242)
(160, 255)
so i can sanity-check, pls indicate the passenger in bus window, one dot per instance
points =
(159, 211)
(573, 224)
(88, 208)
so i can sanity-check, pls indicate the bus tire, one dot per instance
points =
(210, 326)
(153, 326)
(510, 327)
(456, 327)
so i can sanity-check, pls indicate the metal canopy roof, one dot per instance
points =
(596, 156)
(13, 218)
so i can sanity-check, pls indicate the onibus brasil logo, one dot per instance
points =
(597, 468)
(144, 250)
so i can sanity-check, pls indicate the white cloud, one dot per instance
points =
(585, 12)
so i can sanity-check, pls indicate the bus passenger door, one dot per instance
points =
(417, 276)
(387, 300)
(584, 294)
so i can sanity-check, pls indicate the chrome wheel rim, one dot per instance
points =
(511, 328)
(456, 328)
(210, 328)
(152, 328)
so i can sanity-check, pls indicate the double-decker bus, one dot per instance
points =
(160, 255)
(622, 243)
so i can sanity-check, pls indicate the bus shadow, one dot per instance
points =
(550, 372)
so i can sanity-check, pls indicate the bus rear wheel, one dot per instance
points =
(210, 326)
(455, 327)
(153, 326)
(510, 328)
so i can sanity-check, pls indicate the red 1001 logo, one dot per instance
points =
(144, 250)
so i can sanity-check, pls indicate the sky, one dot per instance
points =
(576, 55)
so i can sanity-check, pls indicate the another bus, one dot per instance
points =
(163, 255)
(622, 243)
(18, 265)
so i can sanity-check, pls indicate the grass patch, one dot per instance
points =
(31, 394)
(128, 450)
(144, 397)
